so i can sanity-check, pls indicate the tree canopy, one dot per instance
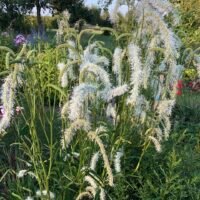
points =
(11, 10)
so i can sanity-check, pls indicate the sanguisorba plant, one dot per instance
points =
(115, 104)
(114, 101)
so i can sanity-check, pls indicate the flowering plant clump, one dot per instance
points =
(89, 113)
(153, 53)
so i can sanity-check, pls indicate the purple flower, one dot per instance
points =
(19, 39)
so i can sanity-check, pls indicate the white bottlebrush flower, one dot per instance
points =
(72, 55)
(91, 181)
(80, 94)
(162, 7)
(151, 14)
(94, 161)
(66, 14)
(101, 74)
(21, 173)
(29, 198)
(102, 194)
(116, 68)
(113, 13)
(167, 126)
(158, 133)
(4, 123)
(61, 66)
(44, 193)
(149, 61)
(165, 107)
(111, 112)
(62, 24)
(19, 74)
(93, 58)
(89, 56)
(91, 190)
(7, 98)
(64, 80)
(71, 72)
(143, 116)
(117, 161)
(156, 143)
(70, 132)
(117, 58)
(101, 129)
(88, 50)
(94, 137)
(63, 74)
(64, 110)
(84, 194)
(154, 23)
(136, 72)
(170, 42)
(110, 93)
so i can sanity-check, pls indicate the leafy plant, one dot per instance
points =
(96, 117)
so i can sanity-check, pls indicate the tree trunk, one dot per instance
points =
(39, 18)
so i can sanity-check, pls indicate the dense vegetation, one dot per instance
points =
(102, 112)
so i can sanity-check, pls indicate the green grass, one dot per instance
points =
(187, 110)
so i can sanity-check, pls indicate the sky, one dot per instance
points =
(46, 12)
(91, 2)
(88, 3)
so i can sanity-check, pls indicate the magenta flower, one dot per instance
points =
(2, 111)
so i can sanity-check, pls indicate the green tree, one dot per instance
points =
(28, 5)
(75, 7)
(9, 13)
(11, 10)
